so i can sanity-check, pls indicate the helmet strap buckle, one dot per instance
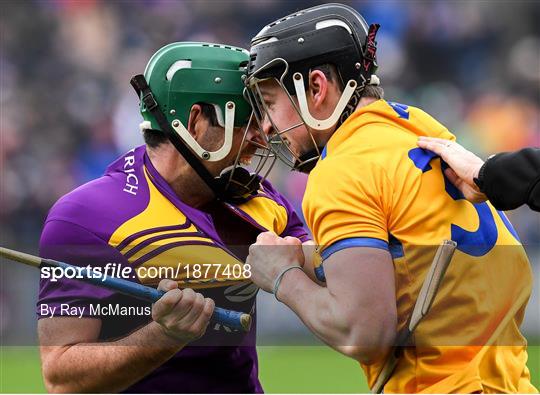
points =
(149, 101)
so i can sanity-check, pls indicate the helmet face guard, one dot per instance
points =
(180, 75)
(277, 141)
(286, 51)
(301, 162)
(240, 181)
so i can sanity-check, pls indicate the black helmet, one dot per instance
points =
(290, 47)
(328, 33)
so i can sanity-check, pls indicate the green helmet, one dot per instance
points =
(180, 75)
(184, 73)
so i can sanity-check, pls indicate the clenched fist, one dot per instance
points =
(183, 314)
(270, 255)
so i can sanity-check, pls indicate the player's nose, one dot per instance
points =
(267, 127)
(257, 136)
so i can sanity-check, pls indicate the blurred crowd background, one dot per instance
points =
(68, 110)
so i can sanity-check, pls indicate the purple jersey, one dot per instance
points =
(132, 218)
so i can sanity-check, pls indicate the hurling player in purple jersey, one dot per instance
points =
(180, 200)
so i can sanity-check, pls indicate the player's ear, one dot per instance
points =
(197, 123)
(318, 88)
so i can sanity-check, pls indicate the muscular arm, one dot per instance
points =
(74, 361)
(356, 312)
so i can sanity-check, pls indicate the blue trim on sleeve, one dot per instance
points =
(354, 242)
(319, 273)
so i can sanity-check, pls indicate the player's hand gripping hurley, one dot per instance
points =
(421, 308)
(229, 318)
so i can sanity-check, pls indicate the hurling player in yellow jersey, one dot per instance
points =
(378, 206)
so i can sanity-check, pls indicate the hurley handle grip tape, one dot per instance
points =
(230, 318)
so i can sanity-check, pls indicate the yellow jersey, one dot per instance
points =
(374, 187)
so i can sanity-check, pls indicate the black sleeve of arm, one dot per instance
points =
(512, 179)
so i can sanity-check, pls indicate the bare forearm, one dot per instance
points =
(107, 367)
(316, 307)
(355, 313)
(343, 323)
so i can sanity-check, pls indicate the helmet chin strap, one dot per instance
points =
(352, 93)
(310, 120)
(307, 161)
(211, 156)
(225, 187)
(347, 102)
